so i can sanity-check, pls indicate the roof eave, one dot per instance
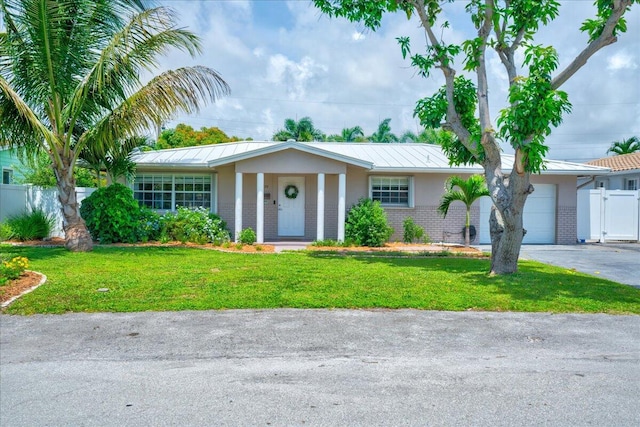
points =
(277, 147)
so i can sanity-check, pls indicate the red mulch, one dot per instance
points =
(27, 280)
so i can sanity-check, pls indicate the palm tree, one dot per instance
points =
(470, 190)
(352, 134)
(117, 161)
(302, 130)
(70, 78)
(626, 146)
(383, 134)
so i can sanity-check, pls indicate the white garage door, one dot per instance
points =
(539, 216)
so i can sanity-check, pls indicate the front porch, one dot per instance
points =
(313, 209)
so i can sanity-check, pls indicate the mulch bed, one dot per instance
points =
(27, 280)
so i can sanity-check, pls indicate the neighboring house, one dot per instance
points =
(292, 190)
(624, 175)
(8, 165)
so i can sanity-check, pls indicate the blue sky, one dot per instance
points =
(283, 59)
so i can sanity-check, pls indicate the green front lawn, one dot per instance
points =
(174, 278)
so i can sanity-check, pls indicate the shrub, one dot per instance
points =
(10, 270)
(366, 224)
(412, 231)
(149, 226)
(247, 236)
(36, 225)
(6, 233)
(112, 214)
(195, 225)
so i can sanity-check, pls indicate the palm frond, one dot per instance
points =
(177, 91)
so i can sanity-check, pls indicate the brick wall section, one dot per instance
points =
(566, 230)
(434, 225)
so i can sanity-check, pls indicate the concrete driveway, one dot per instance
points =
(319, 368)
(619, 262)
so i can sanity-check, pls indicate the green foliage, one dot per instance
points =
(469, 190)
(11, 270)
(411, 231)
(185, 136)
(626, 146)
(35, 225)
(366, 224)
(112, 214)
(302, 130)
(247, 236)
(196, 226)
(39, 172)
(149, 225)
(432, 112)
(383, 134)
(6, 233)
(534, 107)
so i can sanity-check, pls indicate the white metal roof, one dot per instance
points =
(382, 157)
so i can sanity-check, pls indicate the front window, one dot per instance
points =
(632, 184)
(7, 176)
(391, 190)
(166, 192)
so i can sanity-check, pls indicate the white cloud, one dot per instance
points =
(342, 75)
(621, 60)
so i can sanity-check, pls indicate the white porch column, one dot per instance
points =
(260, 208)
(320, 214)
(342, 193)
(238, 219)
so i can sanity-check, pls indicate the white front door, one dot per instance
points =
(291, 208)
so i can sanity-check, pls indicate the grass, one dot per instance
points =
(170, 278)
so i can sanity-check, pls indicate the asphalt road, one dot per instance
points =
(619, 262)
(319, 368)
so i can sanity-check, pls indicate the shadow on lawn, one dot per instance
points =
(534, 281)
(35, 253)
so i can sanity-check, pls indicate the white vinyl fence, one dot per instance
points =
(17, 199)
(608, 215)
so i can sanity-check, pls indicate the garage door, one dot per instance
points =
(539, 216)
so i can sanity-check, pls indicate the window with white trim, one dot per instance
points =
(7, 176)
(166, 192)
(392, 190)
(632, 184)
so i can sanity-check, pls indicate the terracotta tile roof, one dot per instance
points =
(623, 162)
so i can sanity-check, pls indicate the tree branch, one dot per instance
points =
(606, 38)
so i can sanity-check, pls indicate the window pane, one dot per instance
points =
(391, 191)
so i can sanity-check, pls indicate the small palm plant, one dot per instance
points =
(469, 190)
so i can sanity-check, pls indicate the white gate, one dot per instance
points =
(608, 215)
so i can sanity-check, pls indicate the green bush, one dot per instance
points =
(6, 233)
(195, 225)
(36, 225)
(247, 236)
(112, 214)
(149, 226)
(412, 231)
(366, 224)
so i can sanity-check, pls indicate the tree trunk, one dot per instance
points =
(505, 224)
(467, 228)
(76, 235)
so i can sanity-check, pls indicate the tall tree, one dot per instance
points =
(186, 136)
(302, 130)
(626, 146)
(354, 134)
(383, 133)
(535, 103)
(70, 77)
(469, 190)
